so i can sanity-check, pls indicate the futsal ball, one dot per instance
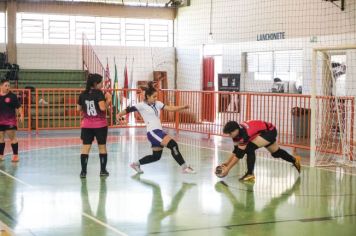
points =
(220, 171)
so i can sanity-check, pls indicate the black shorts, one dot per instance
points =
(88, 134)
(7, 127)
(270, 136)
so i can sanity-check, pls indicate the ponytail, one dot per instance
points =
(150, 89)
(92, 81)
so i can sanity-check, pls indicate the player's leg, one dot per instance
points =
(277, 152)
(11, 133)
(170, 143)
(268, 140)
(156, 155)
(2, 143)
(87, 136)
(251, 160)
(101, 135)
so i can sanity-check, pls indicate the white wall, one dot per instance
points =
(236, 24)
(38, 56)
(2, 47)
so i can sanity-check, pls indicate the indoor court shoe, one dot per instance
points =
(83, 174)
(15, 158)
(296, 164)
(188, 170)
(247, 177)
(136, 167)
(104, 173)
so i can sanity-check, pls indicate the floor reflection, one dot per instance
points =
(158, 213)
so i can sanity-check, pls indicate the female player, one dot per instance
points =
(92, 103)
(150, 109)
(248, 137)
(10, 108)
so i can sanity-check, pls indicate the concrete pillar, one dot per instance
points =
(11, 9)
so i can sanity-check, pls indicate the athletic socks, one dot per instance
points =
(103, 161)
(15, 148)
(2, 148)
(84, 161)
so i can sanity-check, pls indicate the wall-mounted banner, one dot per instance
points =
(271, 36)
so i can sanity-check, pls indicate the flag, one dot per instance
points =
(116, 97)
(126, 79)
(107, 80)
(131, 79)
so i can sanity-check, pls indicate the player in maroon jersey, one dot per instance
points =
(249, 136)
(10, 108)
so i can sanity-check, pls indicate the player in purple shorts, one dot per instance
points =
(10, 108)
(150, 110)
(92, 103)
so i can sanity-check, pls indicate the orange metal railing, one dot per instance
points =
(288, 112)
(24, 96)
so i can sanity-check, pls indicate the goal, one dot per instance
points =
(333, 106)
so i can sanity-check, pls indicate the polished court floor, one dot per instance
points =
(43, 194)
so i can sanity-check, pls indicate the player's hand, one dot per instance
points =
(186, 107)
(21, 119)
(108, 98)
(120, 120)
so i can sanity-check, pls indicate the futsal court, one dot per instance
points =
(140, 68)
(43, 194)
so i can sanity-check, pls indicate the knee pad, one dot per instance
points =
(251, 148)
(239, 153)
(157, 154)
(277, 153)
(173, 145)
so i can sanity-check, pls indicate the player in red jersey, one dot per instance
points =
(248, 137)
(10, 107)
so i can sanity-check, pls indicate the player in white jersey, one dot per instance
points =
(150, 109)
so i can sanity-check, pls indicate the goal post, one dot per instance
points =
(332, 106)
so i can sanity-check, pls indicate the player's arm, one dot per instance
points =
(101, 100)
(79, 103)
(128, 110)
(102, 106)
(175, 108)
(19, 112)
(108, 99)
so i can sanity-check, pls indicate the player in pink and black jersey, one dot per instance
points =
(92, 103)
(10, 108)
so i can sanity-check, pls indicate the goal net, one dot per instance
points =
(334, 90)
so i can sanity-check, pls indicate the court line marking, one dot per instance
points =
(123, 234)
(302, 220)
(83, 213)
(16, 179)
(104, 224)
(6, 228)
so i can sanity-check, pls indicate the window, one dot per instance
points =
(135, 34)
(65, 29)
(261, 64)
(110, 33)
(2, 27)
(87, 26)
(158, 33)
(59, 29)
(32, 28)
(286, 65)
